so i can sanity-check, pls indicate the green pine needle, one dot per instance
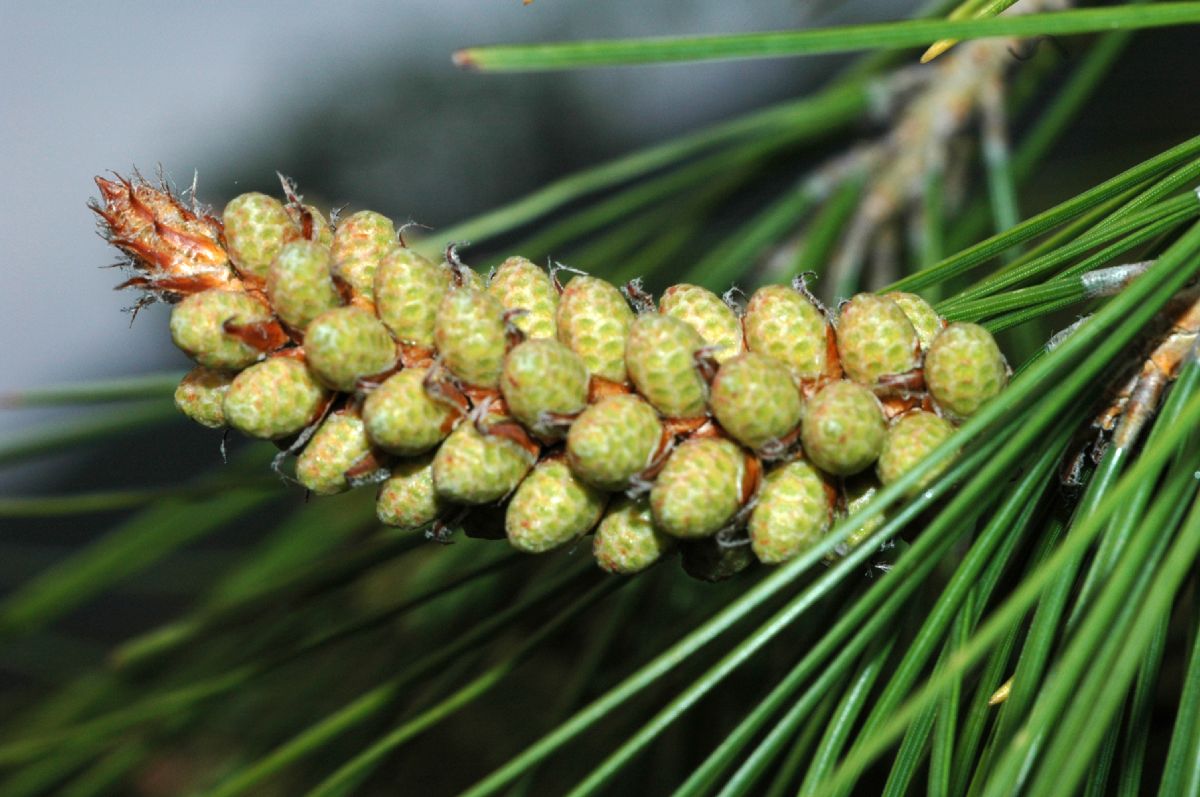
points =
(625, 52)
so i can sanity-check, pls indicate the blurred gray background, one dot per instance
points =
(357, 100)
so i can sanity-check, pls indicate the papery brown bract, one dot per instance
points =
(176, 251)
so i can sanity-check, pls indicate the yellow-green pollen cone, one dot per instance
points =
(337, 445)
(661, 358)
(256, 228)
(699, 490)
(470, 336)
(793, 511)
(551, 508)
(716, 322)
(273, 399)
(781, 322)
(520, 285)
(921, 314)
(613, 440)
(198, 327)
(408, 290)
(755, 400)
(843, 428)
(402, 418)
(475, 468)
(627, 541)
(544, 382)
(910, 438)
(359, 244)
(408, 499)
(300, 283)
(345, 344)
(875, 339)
(964, 369)
(201, 396)
(594, 321)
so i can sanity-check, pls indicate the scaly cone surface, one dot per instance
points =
(688, 425)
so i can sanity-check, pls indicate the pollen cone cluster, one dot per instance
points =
(732, 434)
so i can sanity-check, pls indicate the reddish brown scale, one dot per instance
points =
(682, 427)
(706, 363)
(558, 421)
(486, 405)
(675, 430)
(833, 360)
(1138, 398)
(513, 431)
(1108, 417)
(1129, 404)
(291, 352)
(414, 356)
(833, 364)
(783, 448)
(458, 269)
(906, 384)
(752, 477)
(441, 386)
(370, 468)
(308, 226)
(266, 336)
(555, 269)
(832, 497)
(513, 336)
(362, 303)
(490, 397)
(896, 405)
(345, 292)
(641, 299)
(177, 251)
(170, 288)
(650, 472)
(366, 384)
(599, 387)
